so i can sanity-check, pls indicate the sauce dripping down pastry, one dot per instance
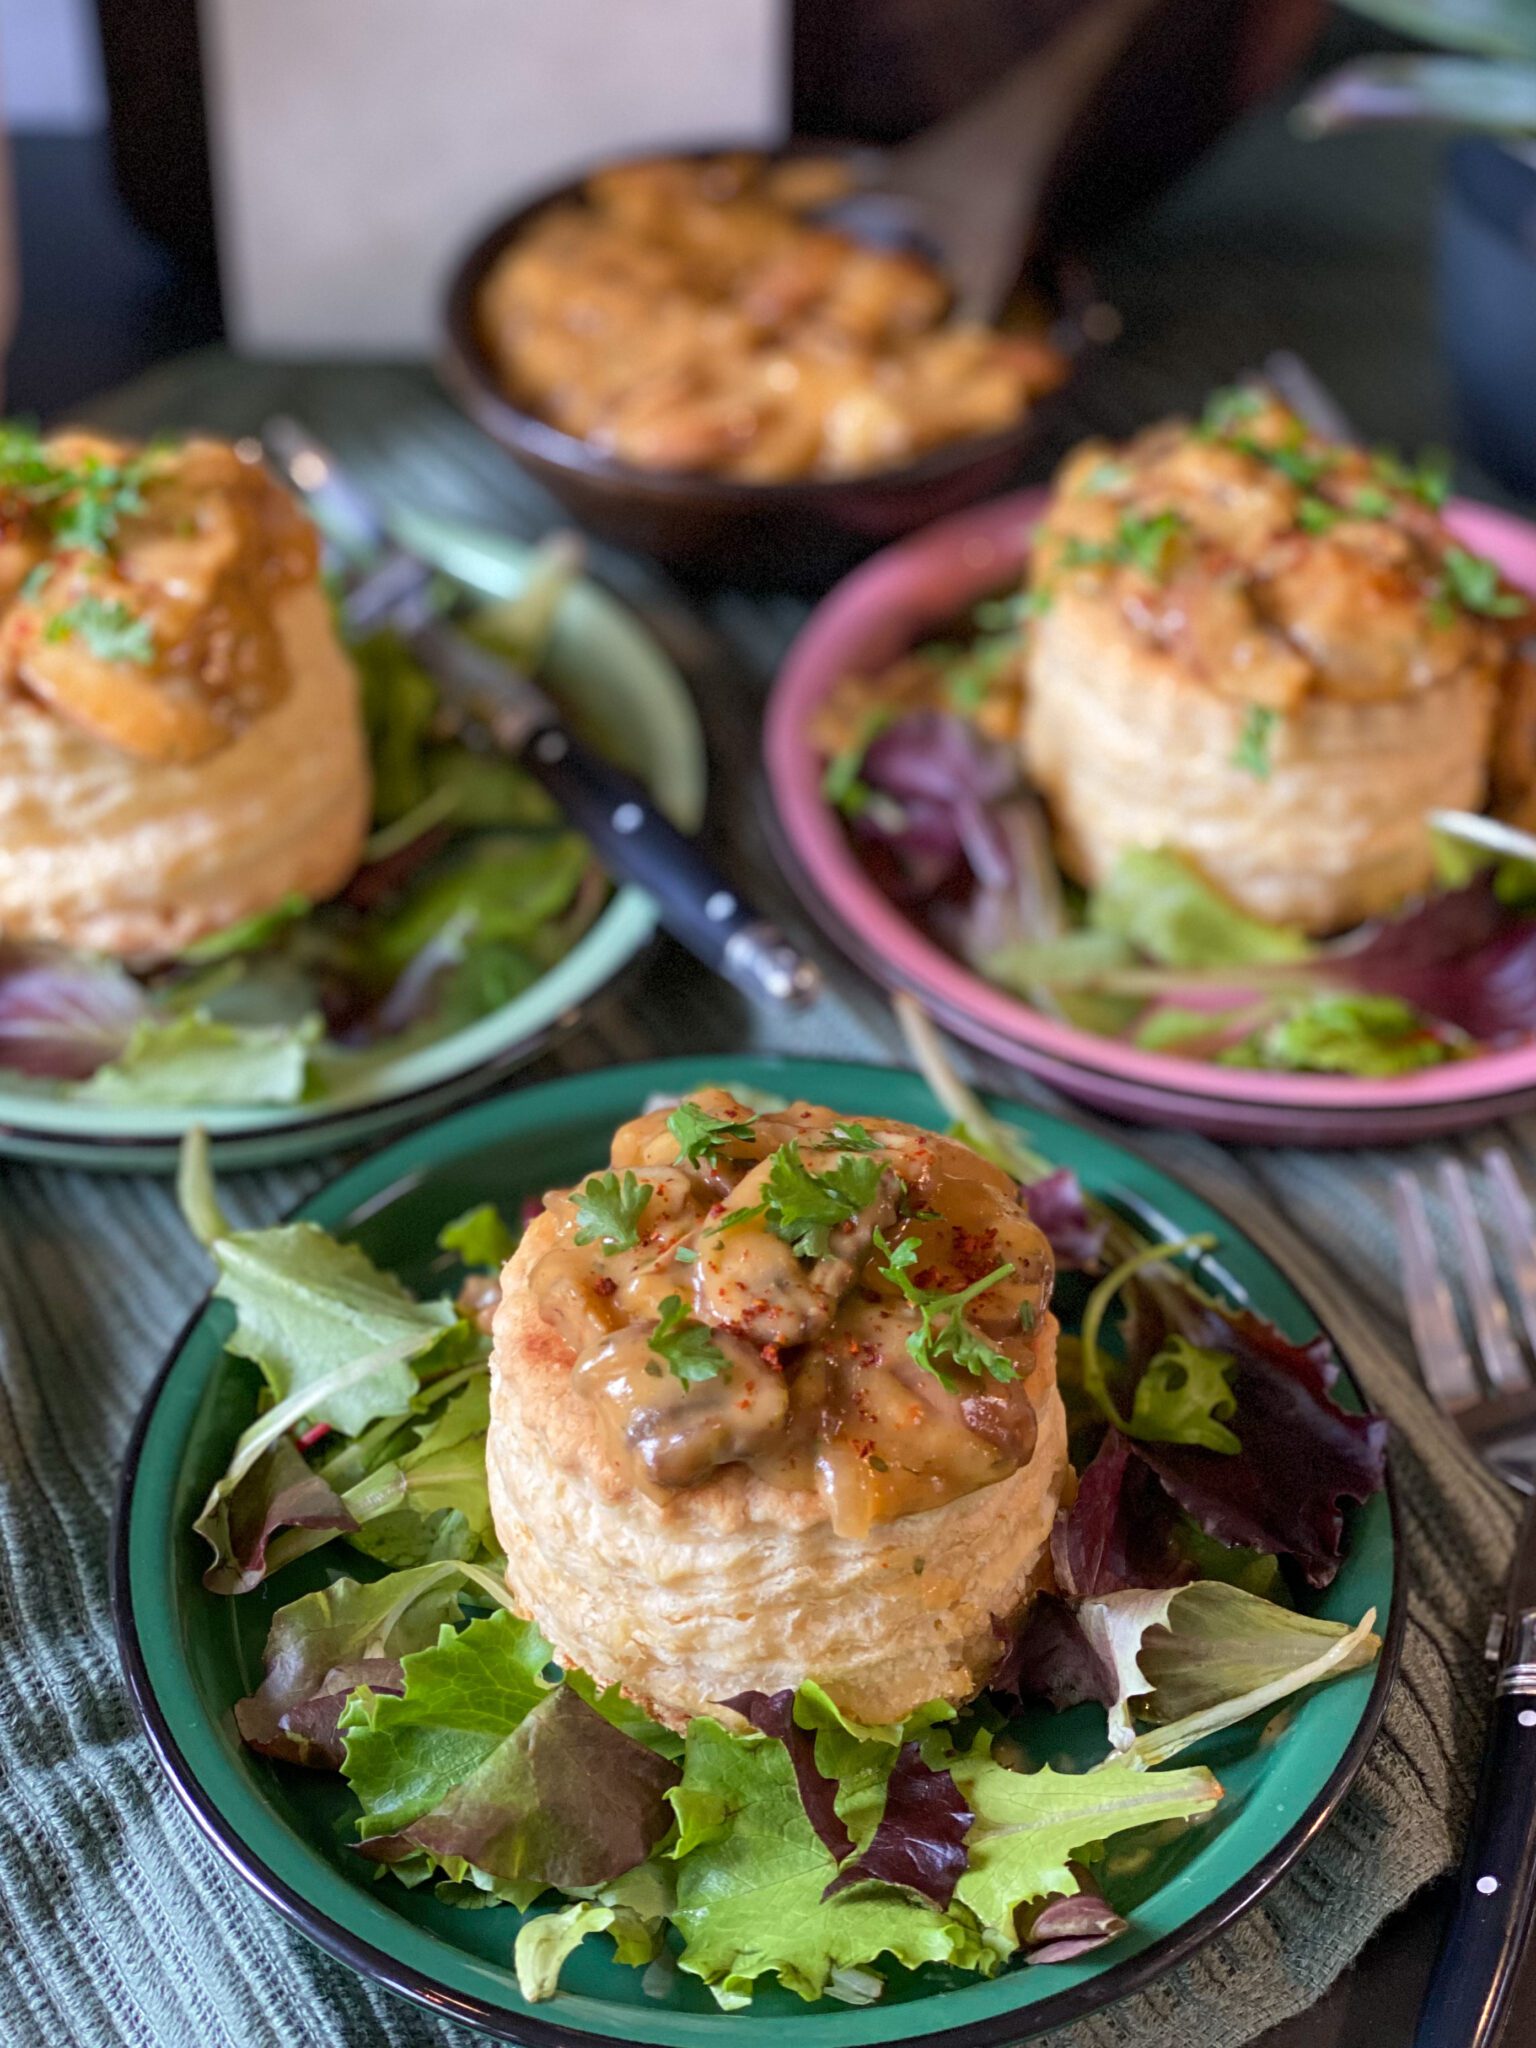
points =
(794, 1415)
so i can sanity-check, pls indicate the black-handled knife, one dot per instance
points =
(1475, 1971)
(389, 585)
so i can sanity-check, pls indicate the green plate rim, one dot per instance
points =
(492, 565)
(138, 1545)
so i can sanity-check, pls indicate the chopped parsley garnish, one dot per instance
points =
(110, 630)
(804, 1208)
(1428, 479)
(1139, 543)
(943, 1338)
(1316, 515)
(973, 670)
(609, 1209)
(686, 1347)
(685, 1254)
(852, 1138)
(85, 502)
(1252, 749)
(35, 582)
(1370, 501)
(1228, 407)
(1297, 463)
(702, 1136)
(1104, 477)
(1473, 583)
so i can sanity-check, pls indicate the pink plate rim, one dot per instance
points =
(883, 607)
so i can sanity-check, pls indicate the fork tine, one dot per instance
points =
(1444, 1362)
(1490, 1317)
(1517, 1231)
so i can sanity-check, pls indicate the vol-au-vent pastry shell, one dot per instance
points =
(740, 1584)
(107, 852)
(1129, 751)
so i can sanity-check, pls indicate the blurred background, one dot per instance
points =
(297, 177)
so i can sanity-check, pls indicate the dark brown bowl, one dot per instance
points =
(797, 534)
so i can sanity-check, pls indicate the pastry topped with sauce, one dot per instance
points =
(1268, 652)
(774, 1396)
(181, 742)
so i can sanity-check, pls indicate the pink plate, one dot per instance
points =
(898, 598)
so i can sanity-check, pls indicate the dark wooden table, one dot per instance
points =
(1321, 248)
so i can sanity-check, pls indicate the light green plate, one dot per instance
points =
(189, 1654)
(615, 681)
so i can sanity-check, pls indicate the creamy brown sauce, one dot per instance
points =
(1294, 567)
(821, 1391)
(185, 585)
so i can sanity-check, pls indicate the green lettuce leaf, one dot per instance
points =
(1344, 1034)
(249, 933)
(1157, 901)
(1029, 1826)
(399, 700)
(195, 1060)
(431, 1500)
(327, 1327)
(480, 1237)
(503, 889)
(465, 1694)
(752, 1872)
(322, 1646)
(488, 1772)
(1198, 1658)
(633, 1910)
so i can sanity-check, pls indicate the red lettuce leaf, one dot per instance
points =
(1302, 1455)
(1058, 1207)
(920, 1842)
(1462, 957)
(307, 1732)
(772, 1713)
(938, 780)
(1067, 1928)
(567, 1799)
(1050, 1658)
(1119, 1531)
(278, 1492)
(61, 1017)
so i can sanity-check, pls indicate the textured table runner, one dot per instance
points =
(118, 1923)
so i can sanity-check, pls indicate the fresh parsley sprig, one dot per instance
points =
(1252, 750)
(702, 1136)
(84, 502)
(1472, 583)
(1141, 541)
(943, 1338)
(608, 1210)
(804, 1208)
(109, 629)
(852, 1138)
(687, 1348)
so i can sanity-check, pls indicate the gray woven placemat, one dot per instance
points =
(119, 1924)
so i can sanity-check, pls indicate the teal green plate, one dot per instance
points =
(615, 682)
(189, 1655)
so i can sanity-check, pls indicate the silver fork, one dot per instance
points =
(1492, 1400)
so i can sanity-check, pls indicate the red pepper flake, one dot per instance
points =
(604, 1285)
(315, 1434)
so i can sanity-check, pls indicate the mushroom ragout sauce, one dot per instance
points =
(788, 1298)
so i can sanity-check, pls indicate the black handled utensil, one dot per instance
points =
(1494, 1404)
(388, 585)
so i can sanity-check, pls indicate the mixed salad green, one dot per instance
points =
(944, 824)
(796, 1845)
(471, 887)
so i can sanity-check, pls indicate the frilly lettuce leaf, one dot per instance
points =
(752, 1874)
(484, 1771)
(633, 1910)
(431, 1500)
(1157, 902)
(480, 1237)
(1197, 1658)
(321, 1646)
(1030, 1826)
(196, 1060)
(265, 1512)
(1344, 1034)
